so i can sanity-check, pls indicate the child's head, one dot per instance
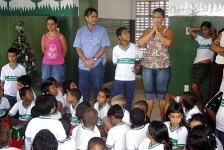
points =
(69, 84)
(103, 96)
(12, 55)
(26, 94)
(52, 80)
(115, 113)
(96, 143)
(198, 119)
(73, 95)
(189, 100)
(175, 114)
(201, 138)
(90, 117)
(158, 132)
(66, 124)
(123, 34)
(206, 28)
(119, 99)
(5, 136)
(49, 88)
(81, 108)
(142, 104)
(44, 139)
(137, 117)
(23, 80)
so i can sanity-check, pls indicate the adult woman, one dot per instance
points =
(156, 63)
(54, 47)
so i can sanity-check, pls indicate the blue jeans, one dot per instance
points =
(156, 82)
(88, 78)
(220, 135)
(55, 71)
(128, 87)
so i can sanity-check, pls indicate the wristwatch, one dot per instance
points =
(95, 58)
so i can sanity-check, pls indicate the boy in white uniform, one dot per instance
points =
(46, 105)
(116, 136)
(9, 74)
(4, 105)
(124, 55)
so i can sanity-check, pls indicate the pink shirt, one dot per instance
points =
(53, 54)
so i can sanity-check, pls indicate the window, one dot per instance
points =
(144, 11)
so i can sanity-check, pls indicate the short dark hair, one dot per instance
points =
(66, 85)
(80, 109)
(66, 124)
(45, 87)
(52, 18)
(23, 90)
(89, 11)
(120, 30)
(199, 117)
(45, 140)
(12, 50)
(159, 10)
(189, 100)
(116, 111)
(25, 80)
(90, 117)
(96, 141)
(106, 91)
(206, 24)
(137, 117)
(51, 80)
(5, 136)
(75, 93)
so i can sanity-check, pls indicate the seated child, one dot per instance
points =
(24, 81)
(157, 137)
(22, 107)
(138, 132)
(69, 143)
(116, 139)
(44, 139)
(86, 131)
(176, 126)
(96, 143)
(5, 138)
(142, 104)
(121, 100)
(45, 105)
(4, 106)
(102, 108)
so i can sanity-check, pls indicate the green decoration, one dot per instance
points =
(36, 2)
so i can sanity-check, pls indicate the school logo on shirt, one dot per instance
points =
(204, 46)
(126, 61)
(11, 78)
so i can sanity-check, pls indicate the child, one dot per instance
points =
(4, 106)
(86, 131)
(23, 107)
(219, 131)
(177, 131)
(116, 135)
(45, 104)
(23, 81)
(102, 108)
(142, 104)
(69, 143)
(96, 143)
(44, 139)
(121, 100)
(124, 55)
(5, 138)
(203, 59)
(135, 136)
(197, 119)
(74, 98)
(157, 137)
(9, 74)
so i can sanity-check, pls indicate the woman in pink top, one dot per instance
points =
(54, 48)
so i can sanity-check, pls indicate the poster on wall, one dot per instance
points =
(196, 8)
(39, 7)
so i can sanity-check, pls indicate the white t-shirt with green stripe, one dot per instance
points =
(147, 145)
(4, 106)
(102, 112)
(219, 117)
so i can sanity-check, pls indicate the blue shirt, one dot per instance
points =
(90, 43)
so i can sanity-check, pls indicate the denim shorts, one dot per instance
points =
(156, 82)
(55, 71)
(200, 72)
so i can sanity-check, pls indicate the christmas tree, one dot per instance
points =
(25, 53)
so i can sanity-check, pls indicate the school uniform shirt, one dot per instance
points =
(43, 122)
(18, 98)
(61, 99)
(83, 136)
(4, 106)
(219, 117)
(24, 111)
(146, 145)
(9, 75)
(68, 144)
(190, 113)
(67, 105)
(126, 117)
(135, 136)
(56, 115)
(116, 138)
(178, 135)
(125, 60)
(102, 112)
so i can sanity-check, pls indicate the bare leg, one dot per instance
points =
(150, 107)
(162, 107)
(197, 90)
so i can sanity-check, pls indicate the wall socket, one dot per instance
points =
(186, 88)
(187, 33)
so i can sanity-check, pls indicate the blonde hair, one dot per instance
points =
(119, 99)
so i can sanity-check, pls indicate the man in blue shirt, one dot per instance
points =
(90, 42)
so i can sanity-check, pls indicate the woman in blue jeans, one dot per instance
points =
(156, 64)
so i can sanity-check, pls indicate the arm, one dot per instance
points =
(215, 46)
(107, 123)
(166, 39)
(43, 46)
(64, 44)
(214, 36)
(193, 31)
(147, 34)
